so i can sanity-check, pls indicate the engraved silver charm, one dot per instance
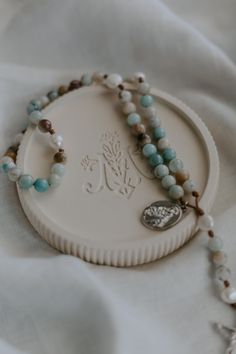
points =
(161, 215)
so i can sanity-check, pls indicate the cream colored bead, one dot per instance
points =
(149, 112)
(228, 295)
(57, 141)
(98, 77)
(163, 144)
(219, 258)
(113, 80)
(129, 107)
(139, 75)
(205, 222)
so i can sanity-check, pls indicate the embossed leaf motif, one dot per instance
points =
(161, 215)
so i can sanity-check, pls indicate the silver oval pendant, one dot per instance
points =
(161, 215)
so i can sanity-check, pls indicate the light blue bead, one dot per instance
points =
(168, 154)
(215, 244)
(7, 166)
(52, 95)
(146, 101)
(32, 106)
(35, 117)
(58, 169)
(41, 185)
(168, 181)
(54, 180)
(133, 118)
(155, 160)
(159, 133)
(149, 149)
(161, 171)
(86, 80)
(176, 192)
(176, 165)
(36, 103)
(26, 181)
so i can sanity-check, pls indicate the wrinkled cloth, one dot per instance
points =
(57, 304)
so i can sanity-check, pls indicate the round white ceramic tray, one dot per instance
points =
(95, 213)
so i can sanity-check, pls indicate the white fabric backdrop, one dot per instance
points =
(56, 304)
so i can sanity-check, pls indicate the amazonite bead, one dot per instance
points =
(168, 181)
(159, 133)
(26, 181)
(155, 160)
(168, 154)
(176, 165)
(149, 149)
(154, 122)
(189, 186)
(215, 244)
(32, 107)
(58, 169)
(146, 101)
(176, 192)
(7, 166)
(125, 96)
(14, 174)
(35, 117)
(149, 112)
(54, 180)
(41, 185)
(161, 171)
(133, 118)
(86, 80)
(52, 95)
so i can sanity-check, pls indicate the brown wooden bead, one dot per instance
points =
(45, 125)
(75, 84)
(11, 154)
(182, 176)
(146, 139)
(60, 157)
(138, 129)
(62, 90)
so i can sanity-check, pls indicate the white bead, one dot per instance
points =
(44, 100)
(149, 112)
(129, 107)
(223, 273)
(143, 88)
(125, 96)
(57, 140)
(54, 180)
(113, 80)
(154, 122)
(18, 138)
(98, 77)
(138, 76)
(205, 222)
(14, 174)
(215, 244)
(228, 295)
(163, 144)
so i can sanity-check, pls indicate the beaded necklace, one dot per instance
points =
(167, 167)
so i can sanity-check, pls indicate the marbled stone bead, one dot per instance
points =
(163, 144)
(189, 186)
(143, 88)
(149, 149)
(138, 129)
(182, 176)
(129, 107)
(45, 125)
(219, 258)
(25, 181)
(222, 273)
(149, 112)
(41, 185)
(168, 154)
(161, 171)
(139, 76)
(11, 154)
(32, 107)
(168, 181)
(113, 80)
(62, 90)
(74, 85)
(7, 166)
(154, 122)
(52, 95)
(176, 192)
(155, 160)
(125, 96)
(60, 157)
(176, 165)
(215, 244)
(58, 169)
(35, 117)
(98, 77)
(14, 174)
(54, 180)
(144, 139)
(159, 133)
(86, 79)
(146, 101)
(133, 119)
